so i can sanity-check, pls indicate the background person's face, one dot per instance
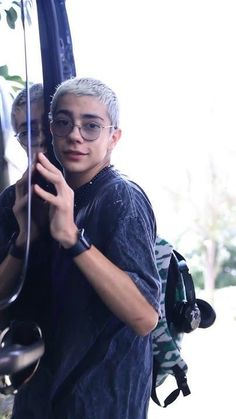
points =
(38, 139)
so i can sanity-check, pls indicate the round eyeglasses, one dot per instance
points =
(22, 136)
(89, 131)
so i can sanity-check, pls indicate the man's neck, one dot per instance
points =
(75, 180)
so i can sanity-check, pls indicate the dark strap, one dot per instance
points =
(182, 384)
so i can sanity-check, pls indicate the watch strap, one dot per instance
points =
(82, 244)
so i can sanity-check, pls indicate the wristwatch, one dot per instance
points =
(82, 244)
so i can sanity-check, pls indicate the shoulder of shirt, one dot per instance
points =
(121, 182)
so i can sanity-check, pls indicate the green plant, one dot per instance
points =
(10, 11)
(17, 83)
(10, 14)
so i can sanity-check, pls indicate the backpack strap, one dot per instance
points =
(185, 314)
(181, 313)
(182, 385)
(167, 359)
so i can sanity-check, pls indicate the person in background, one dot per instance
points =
(8, 198)
(33, 302)
(19, 118)
(103, 282)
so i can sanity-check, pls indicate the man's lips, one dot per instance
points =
(74, 153)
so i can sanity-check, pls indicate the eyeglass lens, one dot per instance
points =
(23, 136)
(89, 131)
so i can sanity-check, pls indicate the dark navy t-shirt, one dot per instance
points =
(100, 369)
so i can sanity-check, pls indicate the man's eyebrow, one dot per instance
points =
(82, 116)
(25, 124)
(91, 116)
(64, 111)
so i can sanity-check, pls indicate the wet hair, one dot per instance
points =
(36, 95)
(88, 87)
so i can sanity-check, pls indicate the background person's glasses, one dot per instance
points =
(89, 131)
(22, 136)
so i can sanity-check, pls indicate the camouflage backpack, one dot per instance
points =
(181, 313)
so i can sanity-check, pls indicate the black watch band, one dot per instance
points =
(82, 244)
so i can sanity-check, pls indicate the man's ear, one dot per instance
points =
(50, 127)
(114, 138)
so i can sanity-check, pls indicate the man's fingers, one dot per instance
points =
(49, 171)
(46, 196)
(46, 163)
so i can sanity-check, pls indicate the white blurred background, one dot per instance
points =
(173, 65)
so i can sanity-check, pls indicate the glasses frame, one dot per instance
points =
(35, 134)
(80, 127)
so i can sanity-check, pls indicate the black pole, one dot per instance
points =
(56, 51)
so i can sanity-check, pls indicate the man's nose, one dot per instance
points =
(75, 134)
(39, 140)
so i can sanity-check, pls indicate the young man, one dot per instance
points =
(10, 285)
(105, 287)
(19, 118)
(38, 143)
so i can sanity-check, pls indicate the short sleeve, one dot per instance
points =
(130, 228)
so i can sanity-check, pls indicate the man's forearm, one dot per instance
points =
(118, 291)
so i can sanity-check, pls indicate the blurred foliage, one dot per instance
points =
(208, 237)
(10, 11)
(227, 274)
(16, 82)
